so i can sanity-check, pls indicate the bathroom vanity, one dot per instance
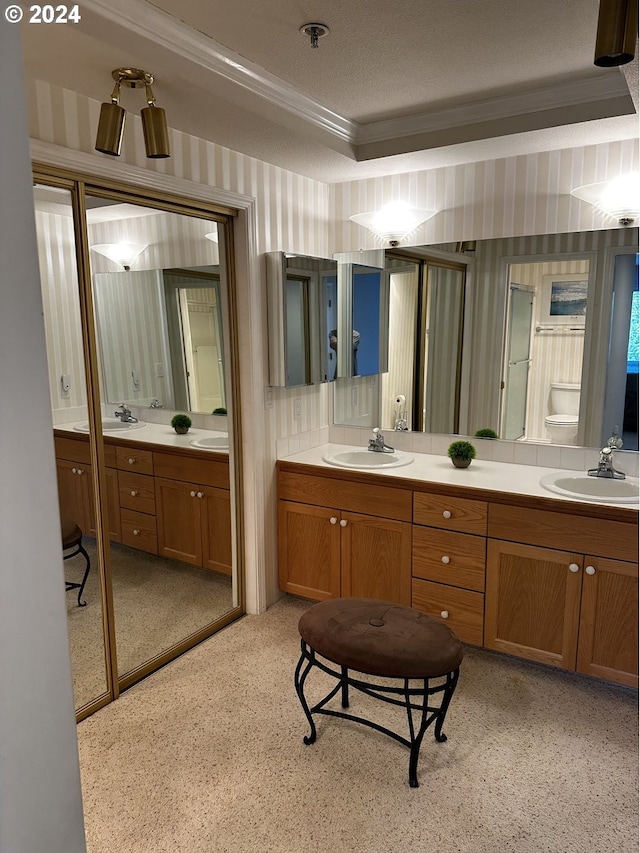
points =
(164, 496)
(507, 566)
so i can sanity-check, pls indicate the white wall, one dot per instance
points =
(40, 800)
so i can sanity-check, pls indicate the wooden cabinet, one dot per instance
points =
(448, 562)
(75, 487)
(194, 518)
(329, 547)
(567, 608)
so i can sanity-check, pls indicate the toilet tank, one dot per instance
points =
(565, 398)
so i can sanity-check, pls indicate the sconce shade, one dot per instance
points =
(619, 198)
(120, 253)
(110, 129)
(154, 127)
(617, 33)
(213, 236)
(394, 221)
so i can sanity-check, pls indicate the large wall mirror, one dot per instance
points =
(147, 328)
(507, 338)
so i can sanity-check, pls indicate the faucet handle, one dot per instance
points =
(615, 442)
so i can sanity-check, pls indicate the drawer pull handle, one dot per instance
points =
(590, 570)
(446, 514)
(574, 567)
(343, 522)
(200, 494)
(131, 460)
(193, 494)
(444, 614)
(136, 533)
(445, 559)
(333, 519)
(133, 493)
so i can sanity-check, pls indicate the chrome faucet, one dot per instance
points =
(124, 414)
(155, 404)
(377, 443)
(605, 465)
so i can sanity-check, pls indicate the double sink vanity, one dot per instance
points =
(167, 494)
(533, 562)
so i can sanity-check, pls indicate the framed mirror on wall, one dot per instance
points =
(469, 341)
(158, 332)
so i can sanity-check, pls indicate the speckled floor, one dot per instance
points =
(206, 756)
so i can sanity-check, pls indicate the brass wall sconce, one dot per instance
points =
(112, 117)
(617, 33)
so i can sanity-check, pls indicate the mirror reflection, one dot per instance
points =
(162, 331)
(513, 337)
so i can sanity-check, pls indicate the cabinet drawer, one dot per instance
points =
(451, 558)
(133, 459)
(137, 492)
(208, 472)
(460, 514)
(601, 537)
(76, 450)
(139, 530)
(465, 609)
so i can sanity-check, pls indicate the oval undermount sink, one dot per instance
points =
(212, 442)
(111, 425)
(592, 488)
(367, 459)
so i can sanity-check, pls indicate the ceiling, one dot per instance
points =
(393, 87)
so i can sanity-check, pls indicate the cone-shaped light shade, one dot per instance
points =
(156, 137)
(110, 129)
(619, 198)
(394, 221)
(617, 32)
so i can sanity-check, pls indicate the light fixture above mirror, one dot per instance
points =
(112, 117)
(619, 198)
(393, 222)
(120, 253)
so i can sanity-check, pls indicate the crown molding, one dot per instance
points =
(562, 95)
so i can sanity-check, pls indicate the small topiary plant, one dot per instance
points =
(461, 453)
(486, 433)
(219, 411)
(181, 423)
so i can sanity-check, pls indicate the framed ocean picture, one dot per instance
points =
(564, 299)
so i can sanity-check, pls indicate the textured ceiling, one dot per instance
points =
(393, 87)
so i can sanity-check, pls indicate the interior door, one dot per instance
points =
(518, 362)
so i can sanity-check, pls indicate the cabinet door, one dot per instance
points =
(376, 558)
(113, 505)
(608, 639)
(179, 521)
(216, 529)
(75, 494)
(532, 604)
(308, 550)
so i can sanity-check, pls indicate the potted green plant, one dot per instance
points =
(181, 423)
(486, 433)
(219, 411)
(461, 453)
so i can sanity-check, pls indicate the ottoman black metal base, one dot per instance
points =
(414, 698)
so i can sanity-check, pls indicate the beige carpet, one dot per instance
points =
(157, 603)
(206, 756)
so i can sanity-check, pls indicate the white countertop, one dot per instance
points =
(481, 474)
(155, 434)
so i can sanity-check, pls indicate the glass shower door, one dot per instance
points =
(518, 362)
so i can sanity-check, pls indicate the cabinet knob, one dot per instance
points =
(74, 470)
(193, 494)
(445, 559)
(133, 493)
(574, 567)
(136, 533)
(444, 614)
(590, 570)
(333, 519)
(200, 494)
(343, 522)
(79, 471)
(446, 514)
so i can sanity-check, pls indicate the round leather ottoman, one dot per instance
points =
(379, 638)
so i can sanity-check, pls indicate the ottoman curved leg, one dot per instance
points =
(452, 680)
(300, 677)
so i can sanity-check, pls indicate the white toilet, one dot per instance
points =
(562, 421)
